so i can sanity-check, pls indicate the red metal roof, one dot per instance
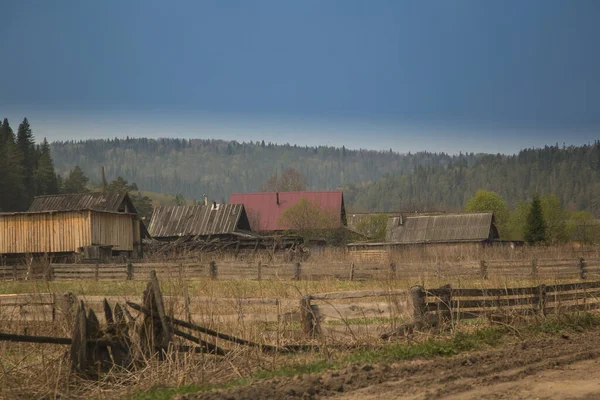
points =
(264, 212)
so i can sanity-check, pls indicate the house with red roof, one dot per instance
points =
(265, 209)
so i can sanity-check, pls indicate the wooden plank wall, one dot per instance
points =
(113, 229)
(44, 232)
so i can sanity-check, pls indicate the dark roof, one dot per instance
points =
(172, 221)
(264, 211)
(97, 201)
(466, 227)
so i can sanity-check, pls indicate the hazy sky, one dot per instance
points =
(477, 75)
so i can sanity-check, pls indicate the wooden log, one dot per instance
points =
(211, 332)
(357, 294)
(207, 347)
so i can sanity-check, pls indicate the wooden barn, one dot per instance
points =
(87, 223)
(172, 222)
(443, 232)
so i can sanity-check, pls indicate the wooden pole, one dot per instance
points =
(309, 320)
(79, 341)
(393, 270)
(445, 304)
(259, 273)
(417, 302)
(160, 309)
(351, 271)
(541, 300)
(213, 270)
(534, 269)
(483, 269)
(297, 271)
(129, 271)
(97, 272)
(581, 266)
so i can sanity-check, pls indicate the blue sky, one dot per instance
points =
(492, 76)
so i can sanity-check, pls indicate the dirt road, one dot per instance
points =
(556, 367)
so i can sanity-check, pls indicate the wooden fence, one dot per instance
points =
(337, 314)
(577, 268)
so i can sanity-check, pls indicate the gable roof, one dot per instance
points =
(467, 227)
(96, 201)
(173, 221)
(264, 209)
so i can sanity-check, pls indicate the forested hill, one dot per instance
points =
(218, 168)
(372, 181)
(572, 174)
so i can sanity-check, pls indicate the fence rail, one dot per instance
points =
(384, 308)
(577, 268)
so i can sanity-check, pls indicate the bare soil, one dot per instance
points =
(549, 367)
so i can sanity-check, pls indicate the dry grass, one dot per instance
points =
(42, 371)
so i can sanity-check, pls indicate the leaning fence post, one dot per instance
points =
(483, 269)
(352, 271)
(129, 270)
(297, 271)
(582, 271)
(534, 269)
(417, 302)
(393, 270)
(213, 270)
(310, 322)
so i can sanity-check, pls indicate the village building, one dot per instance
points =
(431, 233)
(212, 228)
(265, 209)
(199, 221)
(95, 225)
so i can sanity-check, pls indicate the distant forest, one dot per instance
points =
(372, 180)
(218, 168)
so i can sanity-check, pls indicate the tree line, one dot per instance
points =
(571, 174)
(539, 220)
(27, 170)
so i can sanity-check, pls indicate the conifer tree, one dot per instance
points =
(535, 229)
(26, 145)
(12, 188)
(76, 181)
(45, 181)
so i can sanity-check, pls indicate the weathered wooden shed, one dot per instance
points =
(436, 232)
(63, 224)
(170, 222)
